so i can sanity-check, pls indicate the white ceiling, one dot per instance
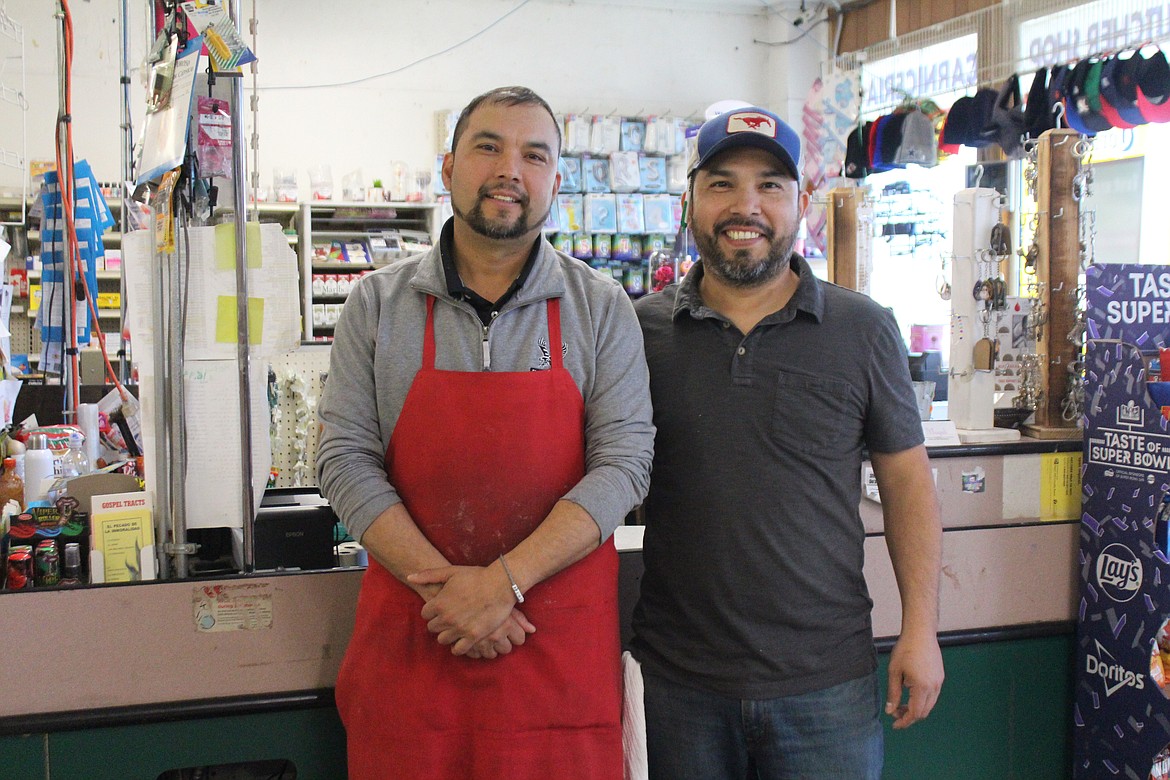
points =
(786, 7)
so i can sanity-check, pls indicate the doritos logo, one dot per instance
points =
(752, 122)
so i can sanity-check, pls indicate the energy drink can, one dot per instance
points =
(48, 564)
(20, 568)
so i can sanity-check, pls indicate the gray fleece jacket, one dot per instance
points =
(377, 350)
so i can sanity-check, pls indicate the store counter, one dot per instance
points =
(172, 651)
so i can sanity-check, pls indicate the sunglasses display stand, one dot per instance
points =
(975, 304)
(1058, 266)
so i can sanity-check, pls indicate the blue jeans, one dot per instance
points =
(833, 734)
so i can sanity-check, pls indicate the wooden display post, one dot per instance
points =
(842, 230)
(1057, 269)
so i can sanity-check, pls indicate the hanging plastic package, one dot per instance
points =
(213, 145)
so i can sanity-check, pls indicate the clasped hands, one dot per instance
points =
(472, 609)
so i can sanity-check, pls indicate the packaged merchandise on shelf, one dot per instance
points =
(582, 246)
(630, 217)
(602, 246)
(321, 182)
(633, 135)
(575, 139)
(657, 214)
(44, 548)
(595, 175)
(213, 143)
(356, 252)
(601, 213)
(552, 222)
(623, 247)
(284, 185)
(572, 209)
(563, 242)
(570, 168)
(676, 174)
(624, 173)
(652, 174)
(605, 135)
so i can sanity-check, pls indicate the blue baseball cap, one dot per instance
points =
(749, 126)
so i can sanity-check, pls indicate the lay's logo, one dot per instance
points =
(751, 122)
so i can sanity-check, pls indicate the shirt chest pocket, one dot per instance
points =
(815, 414)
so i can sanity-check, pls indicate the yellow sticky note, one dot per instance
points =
(225, 245)
(225, 320)
(1060, 486)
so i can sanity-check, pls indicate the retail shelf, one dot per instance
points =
(335, 267)
(101, 275)
(321, 223)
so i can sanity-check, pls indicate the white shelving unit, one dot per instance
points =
(322, 224)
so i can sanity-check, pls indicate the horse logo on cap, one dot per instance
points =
(752, 122)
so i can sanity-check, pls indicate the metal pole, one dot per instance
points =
(239, 178)
(127, 175)
(177, 416)
(160, 395)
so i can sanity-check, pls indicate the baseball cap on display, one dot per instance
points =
(1153, 88)
(890, 138)
(1119, 91)
(919, 144)
(856, 160)
(1038, 115)
(751, 126)
(1077, 109)
(969, 120)
(1007, 117)
(1057, 87)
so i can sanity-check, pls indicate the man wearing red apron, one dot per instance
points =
(486, 426)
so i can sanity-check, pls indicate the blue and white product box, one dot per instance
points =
(652, 171)
(676, 174)
(576, 138)
(605, 135)
(633, 135)
(600, 213)
(552, 223)
(658, 215)
(1122, 694)
(630, 218)
(570, 168)
(624, 173)
(595, 174)
(572, 210)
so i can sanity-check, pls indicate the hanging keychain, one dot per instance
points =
(986, 348)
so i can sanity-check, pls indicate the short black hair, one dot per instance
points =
(504, 96)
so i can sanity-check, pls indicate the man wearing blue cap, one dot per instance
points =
(753, 627)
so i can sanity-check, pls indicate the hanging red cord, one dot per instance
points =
(65, 177)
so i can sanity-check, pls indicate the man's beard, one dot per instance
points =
(498, 229)
(739, 269)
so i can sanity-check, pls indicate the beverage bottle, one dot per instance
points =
(75, 462)
(11, 485)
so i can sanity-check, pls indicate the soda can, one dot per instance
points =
(20, 568)
(48, 564)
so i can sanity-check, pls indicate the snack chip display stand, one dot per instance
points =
(1121, 727)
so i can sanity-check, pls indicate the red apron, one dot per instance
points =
(479, 459)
